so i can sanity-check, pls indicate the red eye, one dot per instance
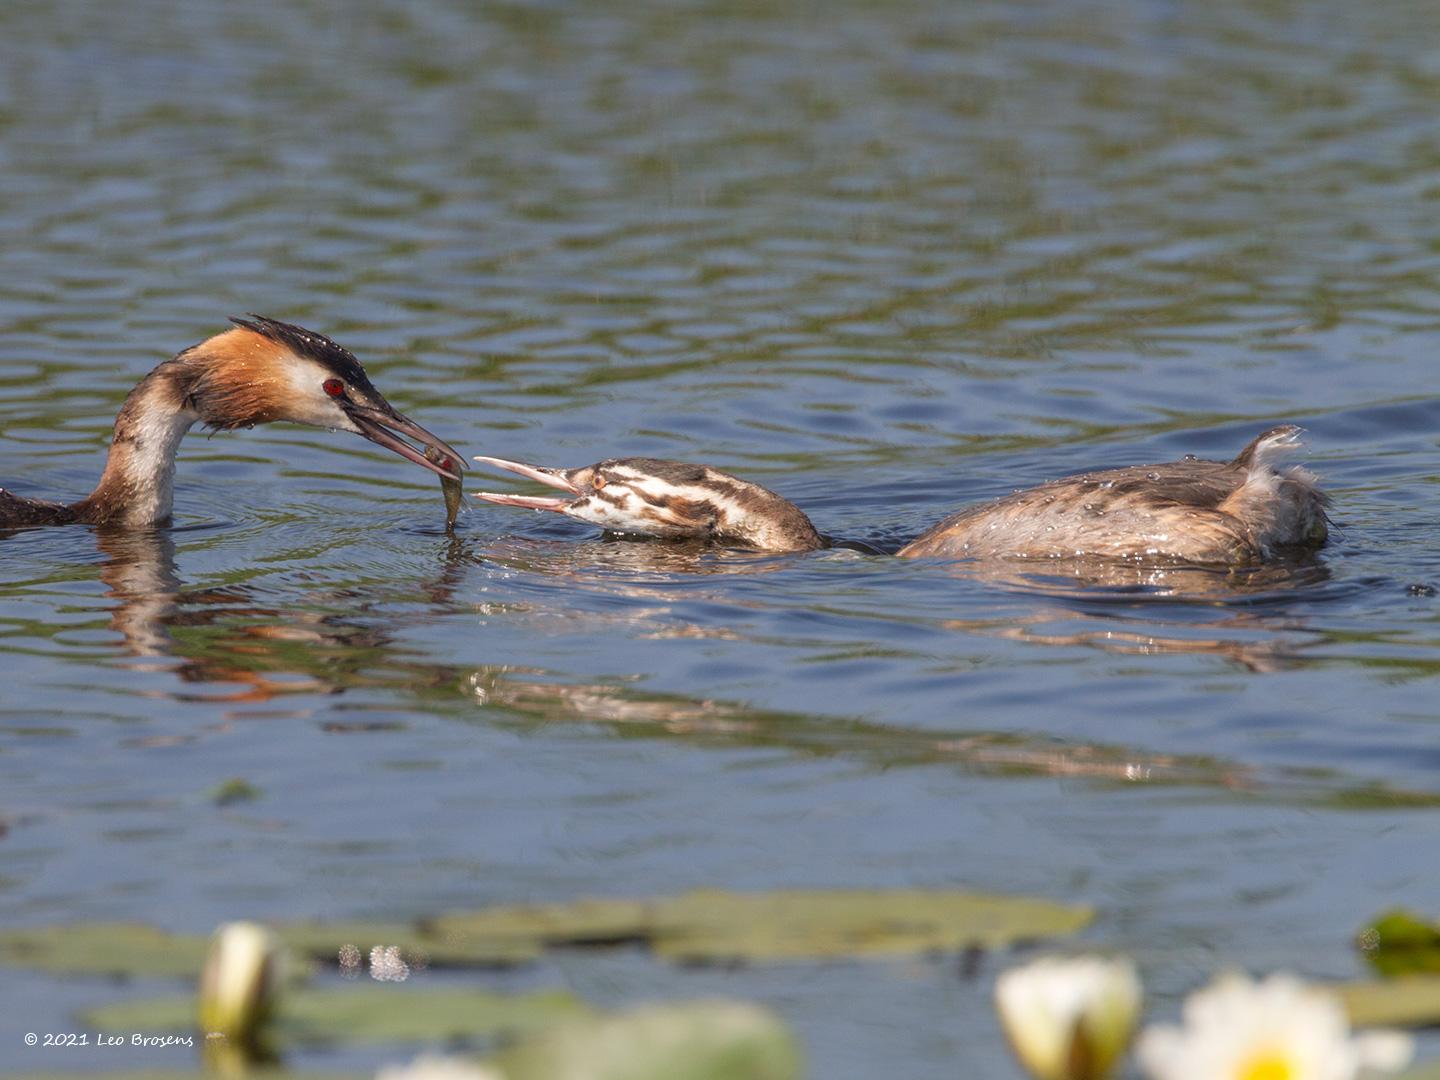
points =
(333, 387)
(598, 482)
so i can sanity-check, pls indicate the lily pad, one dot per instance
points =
(130, 950)
(372, 1014)
(1400, 942)
(1411, 1001)
(235, 790)
(706, 926)
(258, 1074)
(116, 949)
(324, 941)
(581, 922)
(702, 1040)
(171, 1074)
(713, 926)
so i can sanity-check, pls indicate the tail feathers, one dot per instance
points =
(1268, 448)
(1280, 509)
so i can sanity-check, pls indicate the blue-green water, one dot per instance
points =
(884, 258)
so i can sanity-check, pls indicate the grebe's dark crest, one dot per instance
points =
(673, 499)
(1230, 512)
(259, 372)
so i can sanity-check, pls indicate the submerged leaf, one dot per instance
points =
(702, 1040)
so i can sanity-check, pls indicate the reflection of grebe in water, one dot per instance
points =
(233, 654)
(259, 372)
(228, 644)
(1239, 512)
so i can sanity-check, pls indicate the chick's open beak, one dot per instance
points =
(378, 424)
(556, 478)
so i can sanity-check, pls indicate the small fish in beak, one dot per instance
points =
(449, 487)
(378, 423)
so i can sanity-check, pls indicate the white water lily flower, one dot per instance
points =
(436, 1067)
(1069, 1018)
(237, 987)
(1277, 1029)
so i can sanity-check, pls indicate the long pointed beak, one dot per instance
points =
(556, 478)
(378, 424)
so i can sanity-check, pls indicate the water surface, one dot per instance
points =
(884, 258)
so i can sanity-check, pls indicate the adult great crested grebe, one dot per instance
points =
(258, 372)
(1236, 512)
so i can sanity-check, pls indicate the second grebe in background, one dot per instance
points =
(258, 372)
(1229, 512)
(1242, 511)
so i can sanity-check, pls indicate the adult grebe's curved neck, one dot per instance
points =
(137, 486)
(257, 372)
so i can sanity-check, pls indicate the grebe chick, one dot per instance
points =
(667, 499)
(256, 373)
(1235, 512)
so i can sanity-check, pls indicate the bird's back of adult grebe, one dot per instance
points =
(1234, 512)
(17, 511)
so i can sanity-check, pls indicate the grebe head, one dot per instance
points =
(265, 370)
(649, 497)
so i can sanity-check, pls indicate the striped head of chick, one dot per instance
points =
(668, 499)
